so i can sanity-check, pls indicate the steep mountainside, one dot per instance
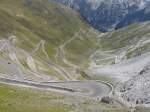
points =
(128, 52)
(107, 15)
(40, 39)
(123, 44)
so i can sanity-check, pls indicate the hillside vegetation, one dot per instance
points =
(42, 41)
(44, 37)
(123, 44)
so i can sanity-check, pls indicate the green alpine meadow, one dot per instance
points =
(74, 56)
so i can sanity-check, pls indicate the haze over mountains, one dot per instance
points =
(107, 15)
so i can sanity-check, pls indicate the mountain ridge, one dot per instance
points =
(45, 43)
(108, 15)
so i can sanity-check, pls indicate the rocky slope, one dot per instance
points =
(125, 56)
(137, 89)
(107, 15)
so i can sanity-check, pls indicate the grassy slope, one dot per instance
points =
(18, 99)
(29, 100)
(34, 20)
(127, 36)
(129, 42)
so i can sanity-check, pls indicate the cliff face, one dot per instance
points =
(107, 15)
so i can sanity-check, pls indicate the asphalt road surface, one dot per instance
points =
(94, 89)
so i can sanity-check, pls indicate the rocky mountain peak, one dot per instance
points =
(107, 15)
